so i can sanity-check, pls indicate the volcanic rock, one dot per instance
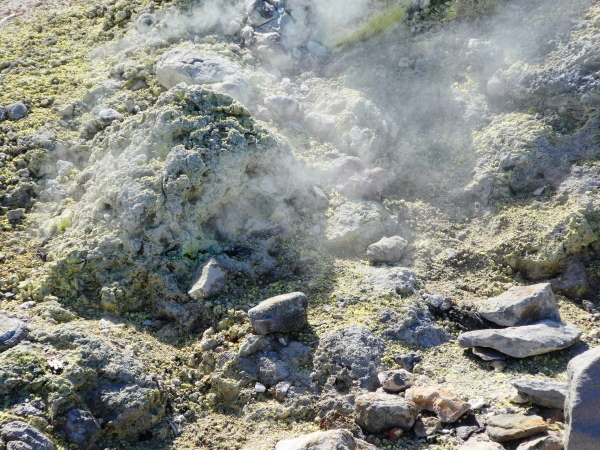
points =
(387, 249)
(440, 401)
(283, 313)
(82, 429)
(427, 426)
(549, 442)
(340, 439)
(416, 328)
(381, 412)
(349, 355)
(16, 111)
(550, 394)
(522, 305)
(365, 185)
(583, 402)
(210, 279)
(12, 331)
(521, 342)
(343, 168)
(20, 435)
(481, 445)
(194, 67)
(395, 380)
(506, 427)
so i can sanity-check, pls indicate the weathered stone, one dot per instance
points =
(542, 443)
(440, 401)
(191, 66)
(548, 393)
(395, 380)
(583, 402)
(349, 355)
(82, 429)
(145, 23)
(427, 426)
(387, 249)
(325, 440)
(282, 106)
(210, 279)
(381, 412)
(488, 354)
(343, 168)
(366, 185)
(22, 436)
(407, 361)
(283, 313)
(506, 427)
(469, 425)
(521, 342)
(17, 111)
(416, 328)
(522, 305)
(12, 331)
(481, 445)
(15, 214)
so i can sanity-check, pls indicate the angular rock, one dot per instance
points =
(82, 429)
(22, 436)
(325, 440)
(548, 393)
(542, 443)
(583, 402)
(366, 185)
(440, 401)
(417, 328)
(427, 426)
(283, 313)
(522, 305)
(191, 66)
(407, 361)
(17, 111)
(387, 249)
(12, 331)
(521, 342)
(395, 380)
(210, 279)
(506, 427)
(376, 412)
(349, 355)
(390, 280)
(481, 445)
(469, 425)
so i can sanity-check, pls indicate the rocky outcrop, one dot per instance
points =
(582, 402)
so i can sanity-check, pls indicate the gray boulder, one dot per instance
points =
(82, 429)
(20, 435)
(388, 249)
(395, 380)
(549, 442)
(522, 305)
(283, 313)
(325, 440)
(548, 393)
(12, 331)
(16, 111)
(521, 342)
(210, 279)
(191, 66)
(583, 402)
(376, 412)
(347, 356)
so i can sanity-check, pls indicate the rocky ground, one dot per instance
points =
(412, 185)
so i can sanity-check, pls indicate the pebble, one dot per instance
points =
(16, 111)
(259, 388)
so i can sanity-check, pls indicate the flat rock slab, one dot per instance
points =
(548, 393)
(12, 331)
(210, 278)
(522, 305)
(377, 412)
(20, 435)
(521, 342)
(542, 443)
(446, 405)
(280, 314)
(506, 427)
(583, 402)
(325, 440)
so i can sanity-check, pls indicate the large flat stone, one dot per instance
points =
(582, 430)
(12, 331)
(506, 427)
(377, 412)
(522, 305)
(521, 342)
(283, 313)
(548, 393)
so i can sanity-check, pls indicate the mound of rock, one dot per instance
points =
(159, 189)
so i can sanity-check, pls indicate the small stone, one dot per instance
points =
(260, 388)
(16, 111)
(395, 380)
(283, 313)
(332, 439)
(12, 331)
(498, 366)
(281, 390)
(407, 361)
(82, 429)
(427, 426)
(15, 214)
(108, 115)
(64, 167)
(209, 280)
(481, 445)
(376, 412)
(387, 249)
(550, 442)
(22, 436)
(440, 401)
(145, 23)
(548, 393)
(316, 49)
(506, 427)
